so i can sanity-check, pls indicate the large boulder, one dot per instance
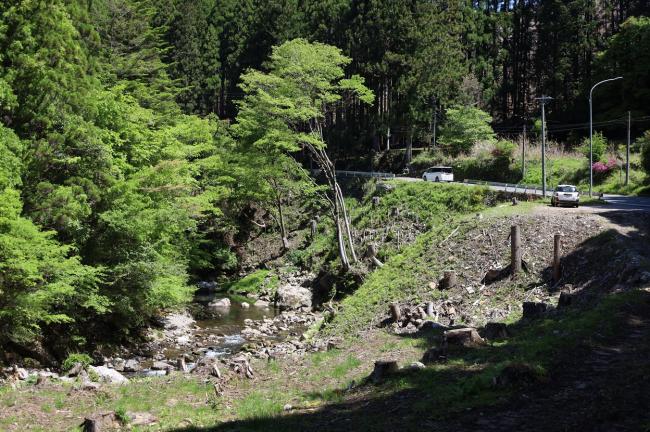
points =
(292, 296)
(109, 375)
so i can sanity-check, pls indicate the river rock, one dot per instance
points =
(108, 375)
(293, 297)
(21, 373)
(161, 365)
(178, 321)
(132, 365)
(261, 304)
(118, 364)
(223, 303)
(245, 305)
(75, 370)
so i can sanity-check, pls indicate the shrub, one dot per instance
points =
(504, 149)
(599, 146)
(644, 143)
(464, 127)
(75, 358)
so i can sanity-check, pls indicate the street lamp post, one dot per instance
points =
(591, 155)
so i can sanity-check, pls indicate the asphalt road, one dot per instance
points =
(614, 202)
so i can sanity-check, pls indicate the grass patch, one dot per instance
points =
(260, 404)
(343, 368)
(254, 283)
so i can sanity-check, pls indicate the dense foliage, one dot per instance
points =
(422, 57)
(122, 179)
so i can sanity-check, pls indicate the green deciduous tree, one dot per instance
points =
(287, 109)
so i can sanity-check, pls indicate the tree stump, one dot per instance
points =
(533, 310)
(430, 309)
(566, 299)
(495, 330)
(467, 337)
(383, 369)
(434, 355)
(101, 422)
(395, 312)
(372, 254)
(448, 280)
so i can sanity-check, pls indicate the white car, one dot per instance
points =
(439, 174)
(567, 195)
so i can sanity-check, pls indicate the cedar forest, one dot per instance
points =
(142, 141)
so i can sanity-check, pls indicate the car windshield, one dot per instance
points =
(566, 189)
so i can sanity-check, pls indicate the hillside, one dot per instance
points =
(510, 381)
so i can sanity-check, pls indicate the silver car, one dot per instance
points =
(565, 195)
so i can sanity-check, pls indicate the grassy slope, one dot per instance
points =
(323, 379)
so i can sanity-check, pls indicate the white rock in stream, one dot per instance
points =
(220, 304)
(245, 305)
(293, 297)
(178, 321)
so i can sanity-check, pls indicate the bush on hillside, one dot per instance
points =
(644, 143)
(599, 147)
(465, 126)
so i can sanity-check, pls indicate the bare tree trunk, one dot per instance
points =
(346, 222)
(283, 231)
(339, 212)
(339, 237)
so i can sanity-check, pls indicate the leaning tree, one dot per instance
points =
(287, 109)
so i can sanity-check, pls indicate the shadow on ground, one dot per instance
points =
(582, 367)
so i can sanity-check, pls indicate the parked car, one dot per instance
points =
(565, 195)
(439, 174)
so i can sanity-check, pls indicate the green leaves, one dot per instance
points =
(285, 108)
(464, 127)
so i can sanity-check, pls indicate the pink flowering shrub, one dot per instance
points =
(602, 169)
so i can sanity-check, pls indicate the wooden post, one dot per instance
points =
(430, 309)
(515, 249)
(448, 280)
(557, 246)
(395, 312)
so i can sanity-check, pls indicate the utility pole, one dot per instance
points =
(435, 118)
(591, 127)
(523, 154)
(543, 101)
(627, 151)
